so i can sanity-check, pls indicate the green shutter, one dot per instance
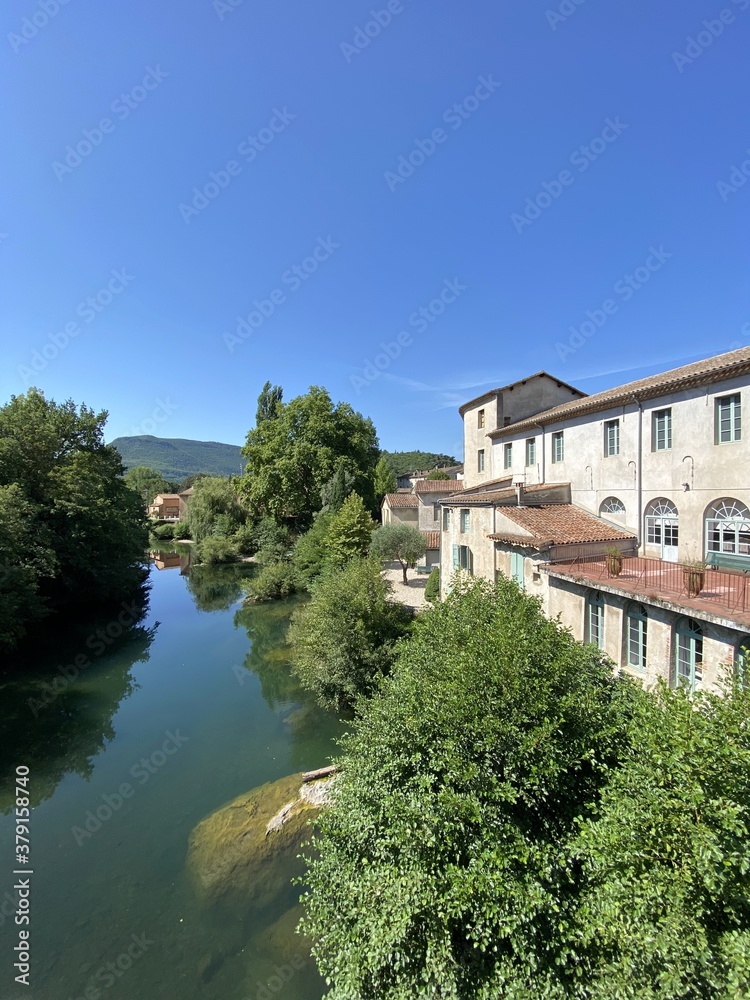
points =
(456, 560)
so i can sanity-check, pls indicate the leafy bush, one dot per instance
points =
(181, 530)
(273, 582)
(244, 538)
(350, 531)
(164, 532)
(310, 554)
(444, 866)
(343, 641)
(214, 549)
(272, 538)
(432, 590)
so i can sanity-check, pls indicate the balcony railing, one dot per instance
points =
(724, 592)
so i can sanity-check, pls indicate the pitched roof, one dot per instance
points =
(484, 487)
(432, 538)
(502, 496)
(558, 524)
(164, 497)
(511, 385)
(400, 500)
(438, 485)
(714, 369)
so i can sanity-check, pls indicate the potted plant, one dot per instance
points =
(614, 562)
(694, 575)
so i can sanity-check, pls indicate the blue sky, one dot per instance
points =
(513, 170)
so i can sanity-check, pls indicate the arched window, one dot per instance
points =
(688, 653)
(728, 527)
(612, 507)
(595, 619)
(662, 528)
(636, 635)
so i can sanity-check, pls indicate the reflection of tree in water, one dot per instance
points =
(60, 723)
(269, 657)
(216, 588)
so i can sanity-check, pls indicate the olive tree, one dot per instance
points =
(398, 543)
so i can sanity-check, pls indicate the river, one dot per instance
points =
(194, 706)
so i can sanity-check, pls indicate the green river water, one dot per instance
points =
(215, 676)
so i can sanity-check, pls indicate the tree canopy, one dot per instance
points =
(398, 543)
(73, 531)
(147, 482)
(385, 479)
(296, 450)
(416, 461)
(514, 820)
(214, 508)
(349, 531)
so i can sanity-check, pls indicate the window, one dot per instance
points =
(480, 460)
(517, 562)
(612, 507)
(480, 418)
(728, 527)
(595, 620)
(531, 451)
(661, 434)
(507, 456)
(558, 447)
(465, 521)
(447, 519)
(728, 419)
(688, 653)
(662, 527)
(611, 438)
(436, 512)
(637, 627)
(462, 558)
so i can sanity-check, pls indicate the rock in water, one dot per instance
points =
(248, 849)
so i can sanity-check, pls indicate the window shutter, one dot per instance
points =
(456, 559)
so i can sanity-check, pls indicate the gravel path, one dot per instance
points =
(413, 593)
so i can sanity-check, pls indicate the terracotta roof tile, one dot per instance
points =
(559, 524)
(438, 485)
(502, 496)
(432, 538)
(401, 500)
(698, 373)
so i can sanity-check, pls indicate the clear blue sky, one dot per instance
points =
(184, 88)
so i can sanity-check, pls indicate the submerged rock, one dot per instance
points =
(248, 849)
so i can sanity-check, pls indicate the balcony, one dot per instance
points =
(725, 593)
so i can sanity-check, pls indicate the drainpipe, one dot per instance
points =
(639, 474)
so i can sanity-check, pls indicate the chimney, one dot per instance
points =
(519, 482)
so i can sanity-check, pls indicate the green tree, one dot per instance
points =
(437, 474)
(214, 508)
(293, 454)
(24, 560)
(432, 590)
(146, 482)
(443, 867)
(337, 489)
(343, 639)
(403, 462)
(310, 554)
(88, 526)
(269, 403)
(350, 531)
(398, 543)
(385, 479)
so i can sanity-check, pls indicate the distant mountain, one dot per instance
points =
(178, 458)
(417, 461)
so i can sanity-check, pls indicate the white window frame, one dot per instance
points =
(733, 418)
(661, 427)
(611, 437)
(508, 455)
(530, 452)
(465, 521)
(558, 447)
(595, 619)
(728, 527)
(447, 519)
(688, 648)
(636, 636)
